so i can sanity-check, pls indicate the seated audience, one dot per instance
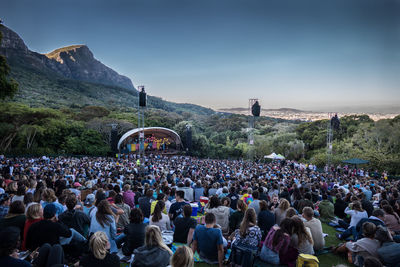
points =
(185, 226)
(154, 252)
(315, 228)
(208, 242)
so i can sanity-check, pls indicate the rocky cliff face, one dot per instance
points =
(74, 62)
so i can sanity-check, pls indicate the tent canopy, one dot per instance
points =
(274, 156)
(355, 161)
(270, 156)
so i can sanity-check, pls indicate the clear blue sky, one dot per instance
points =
(218, 53)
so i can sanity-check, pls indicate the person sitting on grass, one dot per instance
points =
(208, 242)
(185, 226)
(366, 246)
(315, 227)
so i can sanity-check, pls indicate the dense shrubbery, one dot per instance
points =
(86, 131)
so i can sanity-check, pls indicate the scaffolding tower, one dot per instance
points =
(250, 129)
(141, 110)
(329, 140)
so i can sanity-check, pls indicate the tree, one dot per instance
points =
(8, 87)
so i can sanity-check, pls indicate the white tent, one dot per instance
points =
(270, 156)
(279, 156)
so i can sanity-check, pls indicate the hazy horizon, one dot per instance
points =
(308, 55)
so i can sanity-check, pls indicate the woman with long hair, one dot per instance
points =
(221, 213)
(104, 221)
(48, 196)
(134, 232)
(248, 233)
(154, 252)
(276, 242)
(33, 214)
(183, 257)
(301, 237)
(99, 253)
(392, 220)
(236, 218)
(159, 218)
(280, 212)
(15, 217)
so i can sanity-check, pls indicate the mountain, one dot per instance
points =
(72, 77)
(73, 62)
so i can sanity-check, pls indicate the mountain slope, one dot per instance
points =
(73, 62)
(54, 80)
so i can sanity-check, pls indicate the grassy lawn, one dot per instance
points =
(325, 260)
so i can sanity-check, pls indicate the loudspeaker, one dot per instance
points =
(114, 140)
(255, 109)
(335, 122)
(142, 98)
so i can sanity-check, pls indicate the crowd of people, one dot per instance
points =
(101, 211)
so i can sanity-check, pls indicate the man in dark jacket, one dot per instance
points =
(234, 197)
(47, 230)
(75, 219)
(340, 206)
(366, 205)
(145, 203)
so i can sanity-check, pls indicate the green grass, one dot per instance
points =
(325, 260)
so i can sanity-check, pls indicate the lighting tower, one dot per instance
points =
(253, 112)
(141, 108)
(333, 124)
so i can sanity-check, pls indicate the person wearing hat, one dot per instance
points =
(89, 204)
(4, 204)
(48, 230)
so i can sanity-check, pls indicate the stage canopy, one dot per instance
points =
(355, 161)
(155, 137)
